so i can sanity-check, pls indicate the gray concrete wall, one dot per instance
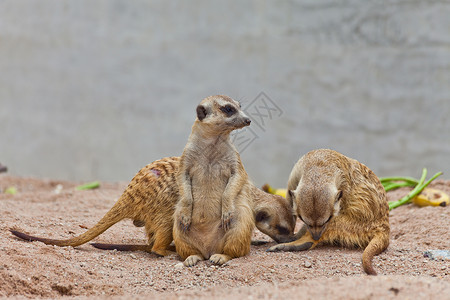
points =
(98, 89)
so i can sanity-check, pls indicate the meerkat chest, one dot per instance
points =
(213, 166)
(210, 182)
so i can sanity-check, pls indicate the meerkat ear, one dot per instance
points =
(201, 112)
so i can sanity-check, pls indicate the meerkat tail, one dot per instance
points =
(114, 215)
(377, 245)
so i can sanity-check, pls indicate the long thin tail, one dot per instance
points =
(378, 244)
(117, 213)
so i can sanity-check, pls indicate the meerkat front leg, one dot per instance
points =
(238, 237)
(234, 186)
(186, 200)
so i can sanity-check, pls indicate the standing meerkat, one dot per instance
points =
(150, 199)
(213, 219)
(340, 201)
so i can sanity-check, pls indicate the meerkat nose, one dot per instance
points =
(248, 121)
(316, 235)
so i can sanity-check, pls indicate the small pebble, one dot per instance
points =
(58, 189)
(437, 254)
(307, 264)
(133, 256)
(179, 266)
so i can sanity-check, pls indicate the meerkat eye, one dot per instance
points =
(262, 216)
(228, 110)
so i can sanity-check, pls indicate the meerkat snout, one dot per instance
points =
(317, 211)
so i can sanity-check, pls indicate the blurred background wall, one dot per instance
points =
(98, 89)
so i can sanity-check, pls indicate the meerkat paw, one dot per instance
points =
(192, 260)
(219, 259)
(227, 218)
(290, 247)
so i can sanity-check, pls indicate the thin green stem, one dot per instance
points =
(417, 190)
(88, 186)
(396, 185)
(407, 179)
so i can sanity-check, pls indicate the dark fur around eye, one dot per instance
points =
(262, 216)
(282, 230)
(228, 110)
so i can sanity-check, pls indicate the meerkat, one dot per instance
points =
(340, 201)
(213, 218)
(149, 200)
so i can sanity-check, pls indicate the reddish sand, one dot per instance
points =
(37, 270)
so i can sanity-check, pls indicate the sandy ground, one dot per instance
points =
(35, 270)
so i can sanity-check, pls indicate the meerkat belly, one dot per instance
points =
(207, 207)
(206, 228)
(208, 237)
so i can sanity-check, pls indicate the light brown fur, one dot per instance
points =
(341, 202)
(150, 199)
(213, 219)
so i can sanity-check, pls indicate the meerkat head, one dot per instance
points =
(316, 205)
(274, 216)
(221, 114)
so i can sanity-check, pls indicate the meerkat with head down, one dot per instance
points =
(213, 219)
(340, 201)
